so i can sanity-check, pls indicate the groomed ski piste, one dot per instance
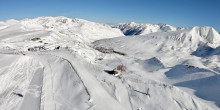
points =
(59, 63)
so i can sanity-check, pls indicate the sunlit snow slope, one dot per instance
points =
(59, 63)
(142, 29)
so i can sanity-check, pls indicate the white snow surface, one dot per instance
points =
(52, 63)
(143, 29)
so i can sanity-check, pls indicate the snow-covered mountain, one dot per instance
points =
(176, 51)
(85, 30)
(142, 29)
(183, 41)
(52, 63)
(50, 32)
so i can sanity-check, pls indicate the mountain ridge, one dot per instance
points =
(55, 63)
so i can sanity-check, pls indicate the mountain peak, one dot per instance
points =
(208, 33)
(142, 29)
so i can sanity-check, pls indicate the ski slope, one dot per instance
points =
(52, 63)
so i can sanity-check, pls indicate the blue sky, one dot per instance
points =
(186, 13)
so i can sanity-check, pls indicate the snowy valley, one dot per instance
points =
(60, 63)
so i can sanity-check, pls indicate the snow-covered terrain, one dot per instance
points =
(59, 63)
(142, 29)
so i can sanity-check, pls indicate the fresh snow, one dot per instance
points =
(52, 63)
(142, 29)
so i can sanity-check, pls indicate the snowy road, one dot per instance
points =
(32, 98)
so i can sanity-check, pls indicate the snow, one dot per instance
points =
(51, 63)
(152, 64)
(143, 29)
(175, 54)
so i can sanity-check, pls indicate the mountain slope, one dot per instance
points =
(52, 63)
(48, 33)
(175, 50)
(184, 41)
(142, 29)
(82, 29)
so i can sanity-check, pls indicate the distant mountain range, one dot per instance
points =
(142, 29)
